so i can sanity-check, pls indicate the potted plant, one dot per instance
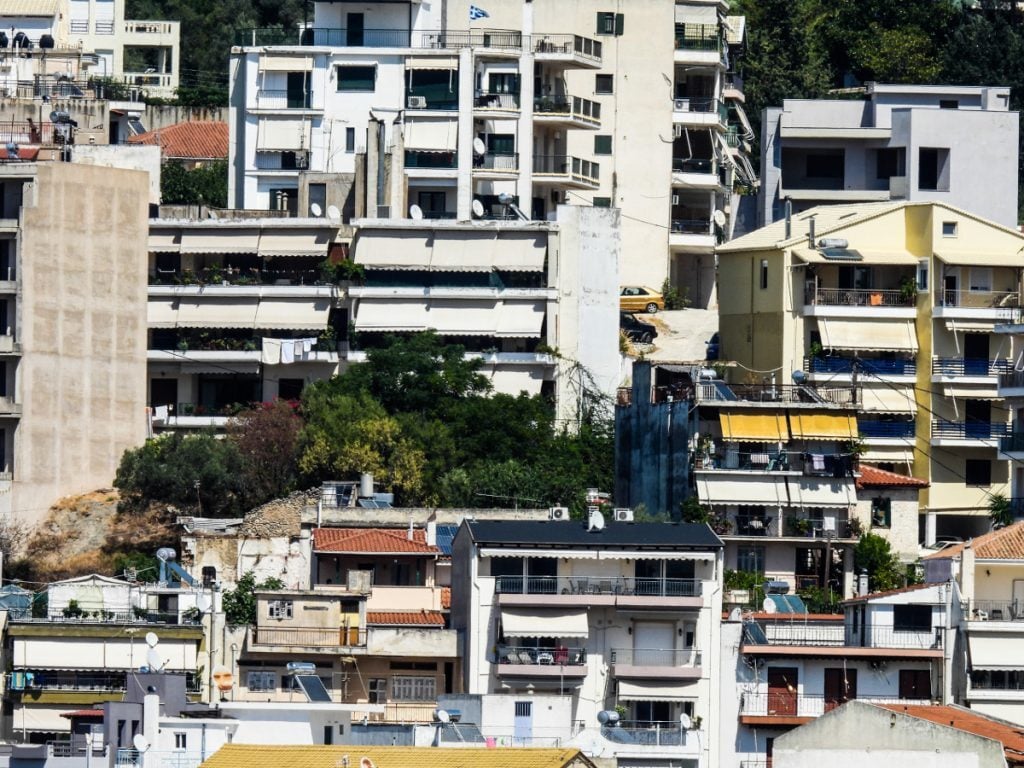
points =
(702, 453)
(908, 289)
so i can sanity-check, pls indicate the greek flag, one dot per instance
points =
(477, 13)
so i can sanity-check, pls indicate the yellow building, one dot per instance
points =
(899, 300)
(257, 756)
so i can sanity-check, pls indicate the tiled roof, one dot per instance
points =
(1003, 544)
(264, 756)
(1011, 736)
(83, 713)
(192, 140)
(406, 618)
(371, 540)
(446, 597)
(887, 593)
(873, 477)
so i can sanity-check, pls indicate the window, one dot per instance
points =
(180, 740)
(750, 559)
(279, 609)
(881, 512)
(604, 83)
(357, 78)
(377, 688)
(933, 169)
(290, 389)
(949, 229)
(501, 143)
(912, 618)
(350, 139)
(922, 275)
(602, 202)
(609, 23)
(978, 472)
(830, 166)
(262, 681)
(915, 684)
(602, 145)
(524, 709)
(409, 688)
(764, 274)
(949, 104)
(890, 162)
(980, 279)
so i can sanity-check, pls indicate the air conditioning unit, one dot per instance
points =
(675, 199)
(416, 102)
(623, 515)
(681, 105)
(558, 513)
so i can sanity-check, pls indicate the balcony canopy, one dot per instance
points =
(868, 335)
(814, 256)
(823, 426)
(754, 427)
(989, 652)
(455, 251)
(655, 691)
(532, 622)
(822, 492)
(431, 135)
(887, 399)
(732, 489)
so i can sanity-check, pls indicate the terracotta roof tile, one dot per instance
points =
(267, 756)
(1011, 736)
(406, 618)
(1003, 544)
(192, 140)
(83, 713)
(446, 597)
(372, 540)
(886, 593)
(873, 477)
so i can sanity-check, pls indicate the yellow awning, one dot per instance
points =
(754, 427)
(823, 426)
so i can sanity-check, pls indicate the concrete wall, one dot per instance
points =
(902, 532)
(133, 158)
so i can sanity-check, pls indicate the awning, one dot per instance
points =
(395, 250)
(455, 317)
(293, 314)
(519, 254)
(697, 14)
(284, 134)
(512, 381)
(285, 63)
(216, 313)
(966, 326)
(294, 242)
(823, 426)
(209, 240)
(456, 251)
(431, 135)
(164, 241)
(37, 718)
(162, 313)
(520, 319)
(868, 335)
(887, 454)
(462, 251)
(535, 622)
(822, 492)
(888, 399)
(989, 651)
(391, 315)
(754, 427)
(431, 62)
(813, 256)
(980, 259)
(724, 489)
(655, 691)
(971, 392)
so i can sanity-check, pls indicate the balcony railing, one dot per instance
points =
(959, 366)
(845, 365)
(1007, 380)
(709, 391)
(835, 465)
(996, 610)
(691, 227)
(786, 704)
(828, 637)
(543, 656)
(1013, 442)
(237, 276)
(693, 165)
(496, 100)
(309, 637)
(886, 429)
(646, 733)
(695, 104)
(76, 748)
(72, 681)
(573, 168)
(417, 159)
(978, 299)
(656, 657)
(283, 99)
(969, 430)
(698, 37)
(596, 585)
(575, 45)
(569, 106)
(493, 161)
(756, 525)
(850, 297)
(132, 758)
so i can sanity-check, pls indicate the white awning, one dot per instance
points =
(989, 652)
(966, 326)
(732, 489)
(293, 314)
(888, 399)
(512, 381)
(284, 134)
(294, 242)
(565, 554)
(455, 251)
(395, 250)
(462, 318)
(519, 254)
(216, 313)
(219, 240)
(431, 62)
(888, 454)
(538, 622)
(868, 335)
(980, 259)
(431, 135)
(697, 14)
(37, 718)
(463, 251)
(653, 690)
(164, 241)
(162, 313)
(220, 369)
(285, 63)
(822, 492)
(519, 319)
(971, 392)
(391, 315)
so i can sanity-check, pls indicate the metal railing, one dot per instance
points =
(693, 165)
(237, 276)
(575, 45)
(128, 758)
(646, 733)
(656, 657)
(691, 227)
(786, 704)
(698, 37)
(995, 610)
(542, 656)
(136, 615)
(570, 106)
(493, 161)
(756, 525)
(72, 681)
(866, 365)
(496, 100)
(1006, 380)
(835, 465)
(1013, 441)
(700, 104)
(959, 366)
(569, 166)
(732, 136)
(267, 98)
(802, 526)
(978, 299)
(860, 637)
(969, 430)
(76, 748)
(777, 393)
(596, 585)
(309, 637)
(886, 429)
(859, 297)
(417, 159)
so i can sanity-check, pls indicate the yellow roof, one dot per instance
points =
(263, 756)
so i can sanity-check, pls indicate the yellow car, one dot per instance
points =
(638, 298)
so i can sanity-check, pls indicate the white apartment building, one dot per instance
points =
(621, 616)
(897, 142)
(418, 112)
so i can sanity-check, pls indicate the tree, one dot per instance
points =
(874, 555)
(1000, 510)
(240, 603)
(205, 185)
(267, 438)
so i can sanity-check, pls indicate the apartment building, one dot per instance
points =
(892, 142)
(612, 615)
(428, 114)
(900, 301)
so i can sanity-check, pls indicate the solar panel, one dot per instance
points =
(314, 689)
(755, 634)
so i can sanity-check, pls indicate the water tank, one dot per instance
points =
(46, 41)
(3, 40)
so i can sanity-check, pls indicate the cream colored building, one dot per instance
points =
(899, 300)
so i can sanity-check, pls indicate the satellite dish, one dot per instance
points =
(140, 742)
(595, 520)
(154, 660)
(735, 615)
(685, 722)
(479, 147)
(769, 605)
(415, 212)
(442, 716)
(152, 639)
(316, 210)
(223, 678)
(478, 208)
(333, 212)
(365, 762)
(204, 603)
(719, 217)
(799, 377)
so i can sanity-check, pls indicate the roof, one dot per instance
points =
(90, 578)
(405, 618)
(372, 541)
(266, 756)
(446, 597)
(1002, 544)
(1011, 736)
(83, 713)
(444, 536)
(573, 534)
(873, 477)
(887, 593)
(191, 140)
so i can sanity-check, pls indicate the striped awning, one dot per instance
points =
(539, 622)
(754, 427)
(868, 335)
(823, 426)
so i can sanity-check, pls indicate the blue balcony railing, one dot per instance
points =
(959, 366)
(845, 365)
(1013, 441)
(894, 429)
(969, 430)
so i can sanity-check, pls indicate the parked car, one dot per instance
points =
(636, 330)
(713, 347)
(639, 298)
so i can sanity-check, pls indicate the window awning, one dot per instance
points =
(395, 250)
(966, 326)
(822, 492)
(462, 251)
(697, 14)
(655, 691)
(162, 313)
(164, 241)
(391, 315)
(989, 651)
(219, 240)
(888, 399)
(431, 62)
(971, 393)
(733, 489)
(754, 427)
(294, 242)
(823, 426)
(533, 622)
(431, 135)
(286, 63)
(216, 313)
(887, 454)
(283, 134)
(868, 335)
(299, 315)
(520, 319)
(980, 259)
(519, 254)
(221, 369)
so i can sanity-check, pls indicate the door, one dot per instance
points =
(976, 352)
(653, 643)
(355, 29)
(950, 284)
(522, 723)
(840, 687)
(298, 90)
(978, 418)
(782, 688)
(915, 684)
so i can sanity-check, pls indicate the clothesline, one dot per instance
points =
(286, 351)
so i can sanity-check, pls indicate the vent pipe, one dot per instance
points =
(789, 218)
(810, 230)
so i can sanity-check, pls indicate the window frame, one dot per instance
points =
(750, 553)
(601, 141)
(912, 618)
(881, 509)
(973, 472)
(950, 228)
(262, 676)
(281, 609)
(414, 688)
(340, 68)
(603, 77)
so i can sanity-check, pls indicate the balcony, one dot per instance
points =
(886, 430)
(616, 591)
(982, 434)
(692, 235)
(998, 610)
(307, 639)
(991, 306)
(490, 105)
(718, 392)
(697, 173)
(133, 758)
(1013, 441)
(650, 734)
(566, 171)
(698, 44)
(656, 664)
(280, 99)
(569, 50)
(699, 112)
(528, 661)
(1011, 384)
(795, 463)
(844, 365)
(971, 368)
(881, 302)
(833, 640)
(494, 165)
(567, 111)
(421, 160)
(803, 706)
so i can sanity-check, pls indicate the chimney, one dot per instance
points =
(810, 231)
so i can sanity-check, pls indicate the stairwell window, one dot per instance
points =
(881, 512)
(602, 145)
